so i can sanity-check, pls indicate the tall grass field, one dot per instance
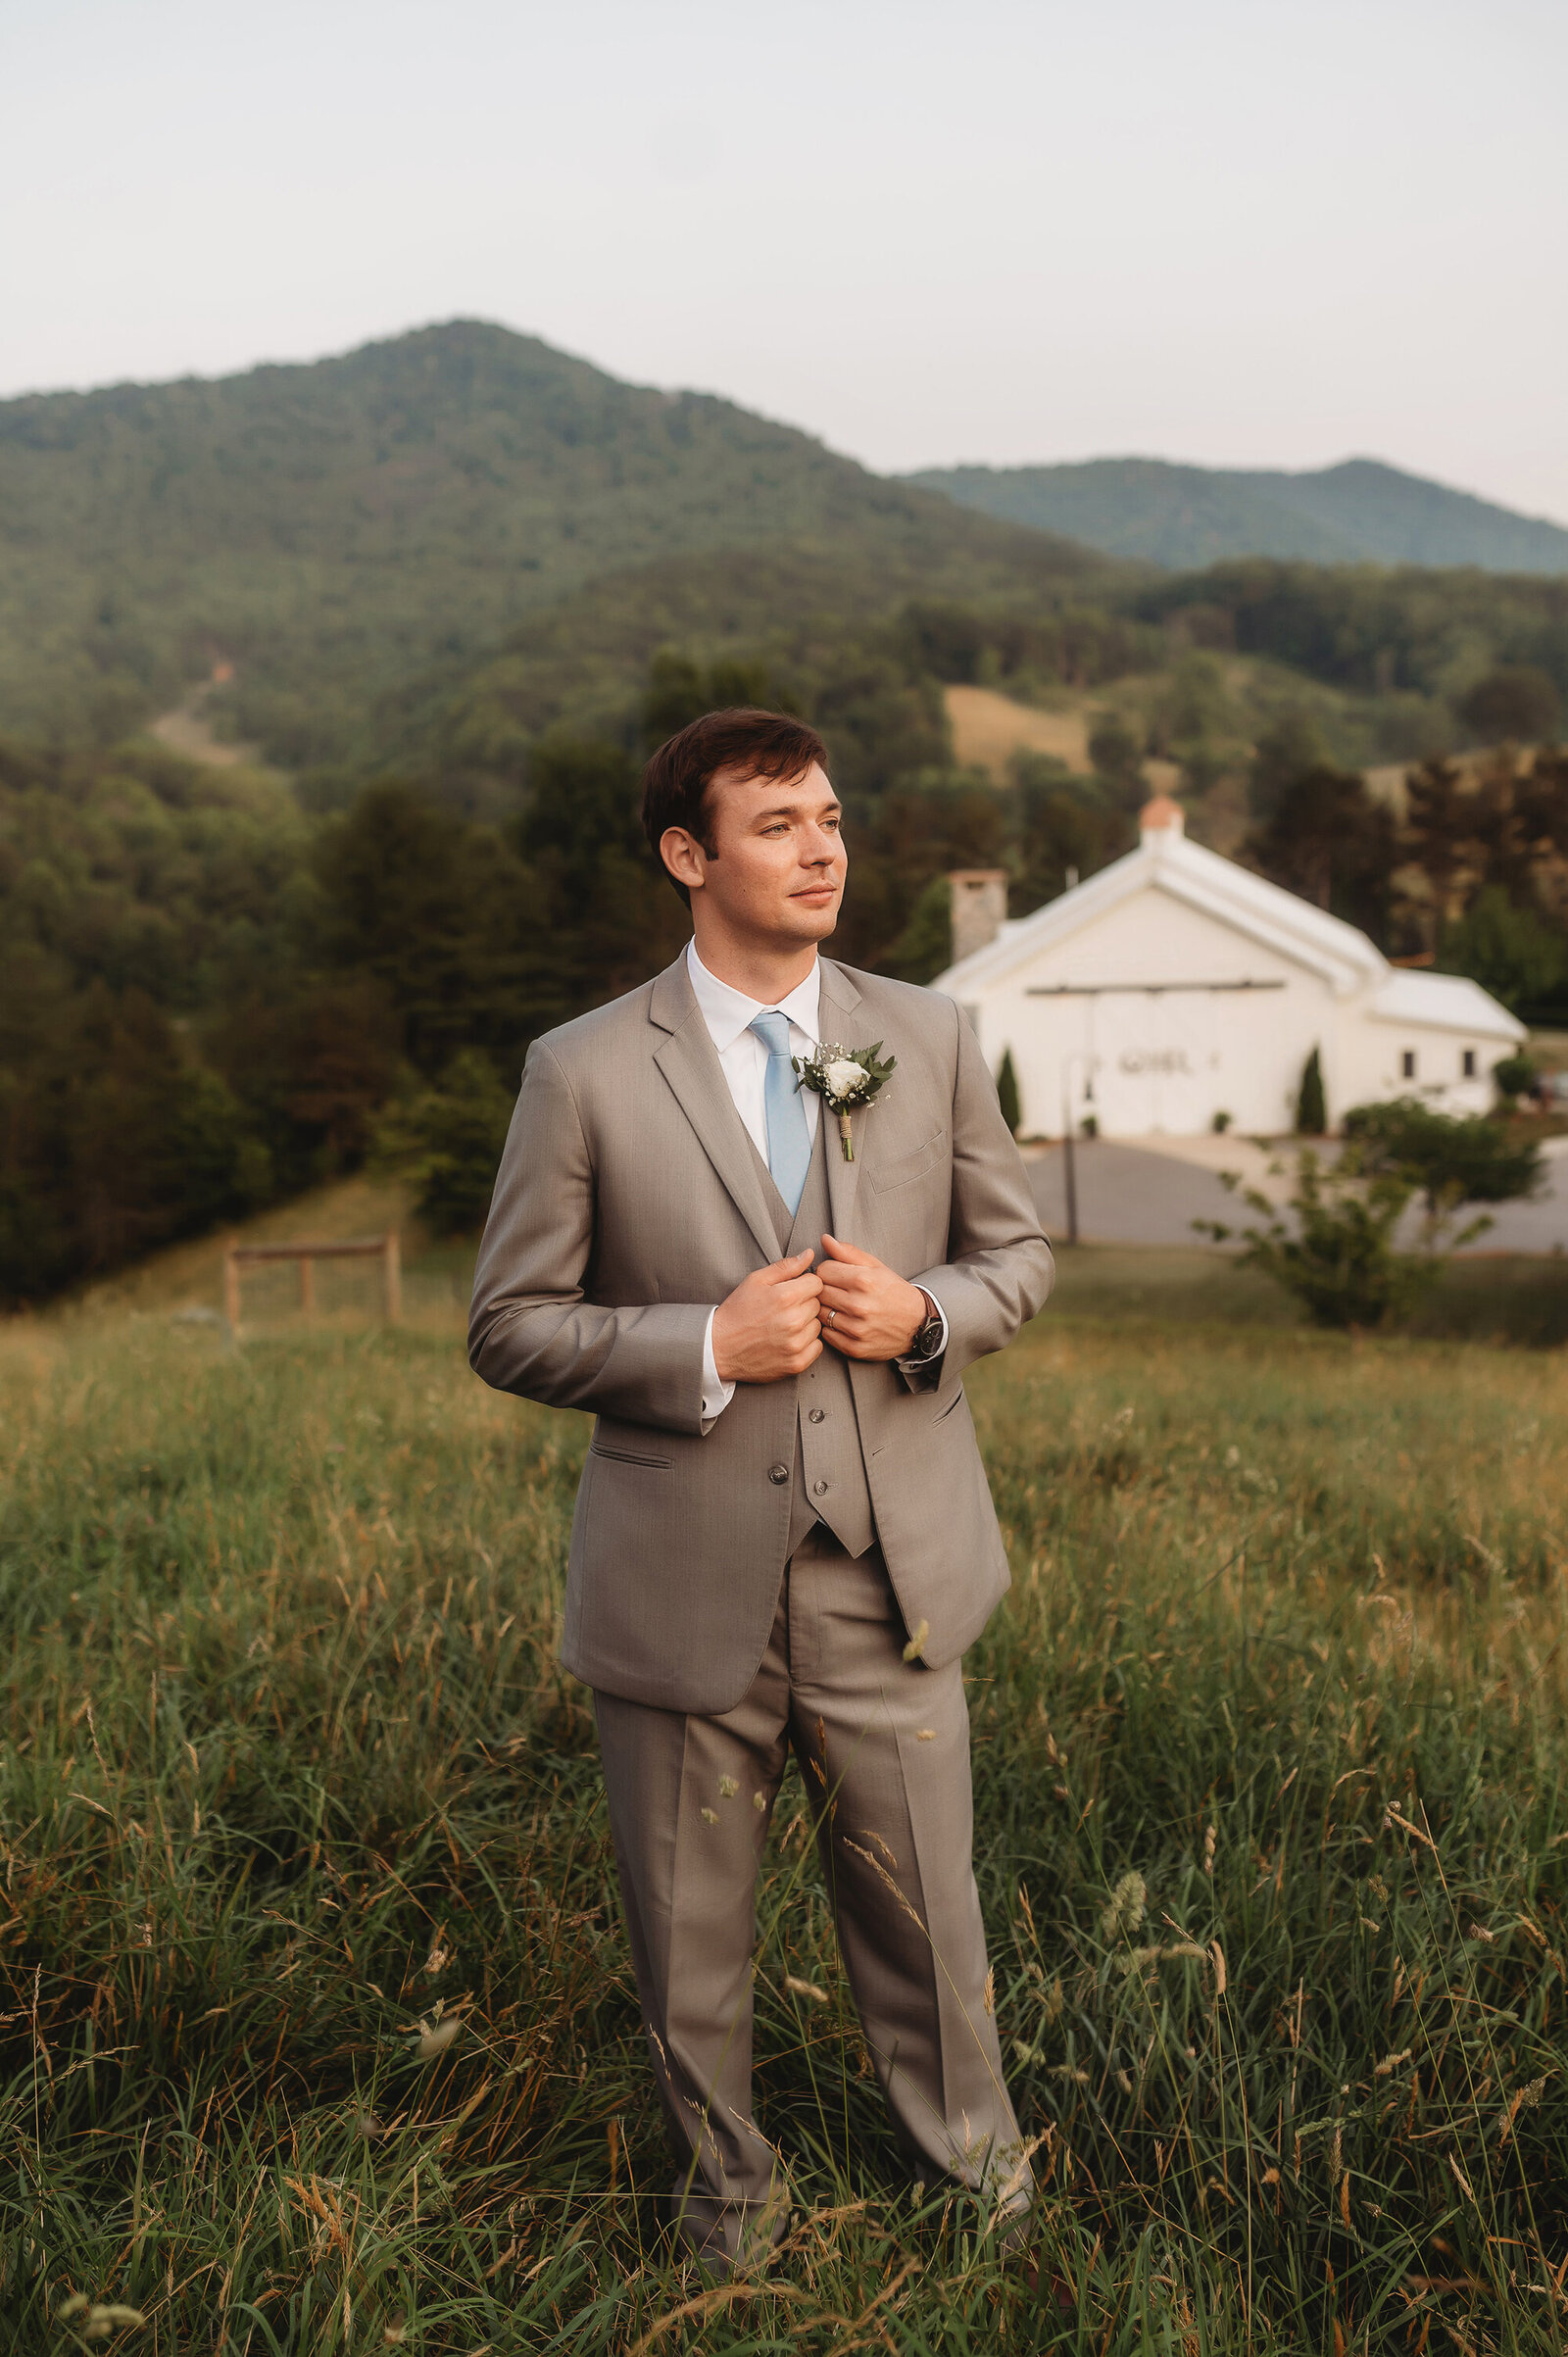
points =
(317, 2023)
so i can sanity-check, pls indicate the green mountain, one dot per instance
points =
(1184, 517)
(334, 531)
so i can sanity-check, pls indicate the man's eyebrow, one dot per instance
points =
(788, 809)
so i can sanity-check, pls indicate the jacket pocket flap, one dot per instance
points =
(628, 1457)
(907, 1166)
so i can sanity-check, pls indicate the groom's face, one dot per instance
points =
(778, 865)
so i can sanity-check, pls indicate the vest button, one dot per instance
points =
(817, 1415)
(819, 1489)
(778, 1473)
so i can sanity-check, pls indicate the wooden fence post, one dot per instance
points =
(386, 1248)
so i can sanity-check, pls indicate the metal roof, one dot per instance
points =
(1265, 913)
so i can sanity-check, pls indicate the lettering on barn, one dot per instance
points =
(1175, 992)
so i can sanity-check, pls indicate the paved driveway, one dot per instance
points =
(1150, 1190)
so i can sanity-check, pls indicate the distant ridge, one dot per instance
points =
(1186, 518)
(325, 533)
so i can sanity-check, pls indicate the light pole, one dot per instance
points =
(1069, 1164)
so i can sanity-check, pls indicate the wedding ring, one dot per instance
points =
(831, 1315)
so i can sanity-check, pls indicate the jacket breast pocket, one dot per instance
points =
(905, 1168)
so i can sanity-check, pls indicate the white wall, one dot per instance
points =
(1162, 1063)
(1370, 1064)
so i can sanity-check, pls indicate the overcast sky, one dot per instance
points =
(1245, 232)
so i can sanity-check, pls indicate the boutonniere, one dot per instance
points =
(844, 1077)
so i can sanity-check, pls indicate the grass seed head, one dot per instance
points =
(1125, 1910)
(436, 2042)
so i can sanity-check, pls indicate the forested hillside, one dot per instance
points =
(335, 532)
(213, 997)
(455, 587)
(1359, 512)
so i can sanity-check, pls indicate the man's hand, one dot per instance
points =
(768, 1327)
(868, 1311)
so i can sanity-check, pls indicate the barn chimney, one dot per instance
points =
(979, 908)
(1161, 820)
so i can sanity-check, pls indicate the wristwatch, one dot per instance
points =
(927, 1339)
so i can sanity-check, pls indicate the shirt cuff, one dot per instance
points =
(933, 1358)
(717, 1396)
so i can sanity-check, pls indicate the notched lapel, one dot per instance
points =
(839, 1000)
(689, 1062)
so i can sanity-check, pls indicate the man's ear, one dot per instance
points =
(684, 857)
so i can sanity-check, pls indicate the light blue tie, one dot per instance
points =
(789, 1140)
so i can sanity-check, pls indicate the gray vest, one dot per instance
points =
(829, 1477)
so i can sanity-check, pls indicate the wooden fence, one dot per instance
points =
(385, 1248)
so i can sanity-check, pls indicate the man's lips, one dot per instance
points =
(814, 892)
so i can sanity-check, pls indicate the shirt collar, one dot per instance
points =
(728, 1011)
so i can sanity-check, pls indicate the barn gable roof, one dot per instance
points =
(1445, 1002)
(1165, 861)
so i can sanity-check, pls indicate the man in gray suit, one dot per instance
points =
(783, 1539)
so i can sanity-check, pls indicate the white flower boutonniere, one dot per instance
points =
(844, 1077)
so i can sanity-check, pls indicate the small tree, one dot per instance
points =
(1311, 1112)
(447, 1141)
(1452, 1161)
(1007, 1093)
(1339, 1260)
(1513, 953)
(926, 946)
(1517, 701)
(1116, 754)
(1515, 1076)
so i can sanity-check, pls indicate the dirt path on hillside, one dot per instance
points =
(988, 728)
(187, 731)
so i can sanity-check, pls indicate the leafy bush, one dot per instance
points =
(924, 948)
(1340, 1259)
(1512, 951)
(1515, 701)
(1452, 1161)
(1515, 1076)
(447, 1141)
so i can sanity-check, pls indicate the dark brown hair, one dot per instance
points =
(676, 780)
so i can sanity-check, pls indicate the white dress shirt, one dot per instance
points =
(742, 1059)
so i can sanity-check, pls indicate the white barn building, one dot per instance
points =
(1174, 986)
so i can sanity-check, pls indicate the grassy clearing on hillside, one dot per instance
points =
(291, 1771)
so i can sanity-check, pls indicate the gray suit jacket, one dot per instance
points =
(629, 1202)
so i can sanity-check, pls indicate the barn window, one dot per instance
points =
(1407, 1063)
(1467, 1064)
